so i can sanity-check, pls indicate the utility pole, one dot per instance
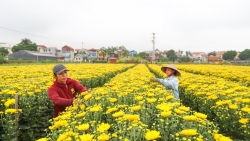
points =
(153, 54)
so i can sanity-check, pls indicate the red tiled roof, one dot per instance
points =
(67, 48)
(41, 46)
(197, 52)
(92, 49)
(213, 58)
(165, 52)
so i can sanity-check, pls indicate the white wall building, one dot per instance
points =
(8, 46)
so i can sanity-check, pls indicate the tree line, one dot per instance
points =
(27, 44)
(231, 54)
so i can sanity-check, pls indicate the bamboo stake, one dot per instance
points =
(16, 116)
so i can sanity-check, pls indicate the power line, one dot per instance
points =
(44, 37)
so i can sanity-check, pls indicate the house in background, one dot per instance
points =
(198, 56)
(132, 53)
(102, 55)
(164, 53)
(150, 55)
(7, 46)
(49, 50)
(212, 58)
(93, 53)
(81, 55)
(68, 53)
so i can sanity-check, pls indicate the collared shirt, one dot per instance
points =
(171, 83)
(62, 95)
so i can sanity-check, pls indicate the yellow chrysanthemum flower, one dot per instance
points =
(103, 137)
(200, 115)
(189, 132)
(118, 114)
(113, 100)
(43, 139)
(86, 137)
(243, 120)
(83, 127)
(166, 114)
(152, 135)
(136, 108)
(87, 97)
(103, 127)
(9, 102)
(131, 117)
(233, 106)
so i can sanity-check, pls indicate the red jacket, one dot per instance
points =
(62, 95)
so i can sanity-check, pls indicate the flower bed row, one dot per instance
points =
(238, 74)
(226, 103)
(131, 108)
(31, 83)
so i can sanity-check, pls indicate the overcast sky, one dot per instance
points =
(194, 25)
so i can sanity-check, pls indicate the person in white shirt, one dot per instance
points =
(171, 81)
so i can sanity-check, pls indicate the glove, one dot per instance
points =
(153, 80)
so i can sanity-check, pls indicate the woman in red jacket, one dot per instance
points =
(62, 93)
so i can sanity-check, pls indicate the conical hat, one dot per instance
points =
(171, 66)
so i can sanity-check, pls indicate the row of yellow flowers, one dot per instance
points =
(225, 102)
(238, 74)
(31, 82)
(130, 108)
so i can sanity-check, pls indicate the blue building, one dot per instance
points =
(93, 53)
(132, 53)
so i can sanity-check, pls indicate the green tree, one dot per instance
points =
(212, 53)
(103, 52)
(244, 55)
(163, 58)
(2, 60)
(3, 51)
(25, 41)
(143, 55)
(185, 59)
(125, 52)
(25, 44)
(229, 55)
(171, 55)
(188, 53)
(111, 51)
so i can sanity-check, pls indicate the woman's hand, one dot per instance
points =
(153, 80)
(78, 101)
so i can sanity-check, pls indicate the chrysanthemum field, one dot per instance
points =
(122, 105)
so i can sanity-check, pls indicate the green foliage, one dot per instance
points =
(171, 55)
(245, 55)
(2, 60)
(188, 53)
(125, 52)
(185, 59)
(25, 44)
(3, 52)
(31, 47)
(25, 41)
(229, 55)
(163, 59)
(212, 53)
(111, 51)
(37, 110)
(143, 55)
